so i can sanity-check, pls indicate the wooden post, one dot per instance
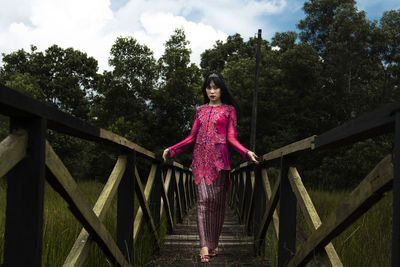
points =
(125, 209)
(25, 193)
(255, 97)
(155, 198)
(396, 196)
(287, 215)
(171, 197)
(259, 207)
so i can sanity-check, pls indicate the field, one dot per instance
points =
(365, 243)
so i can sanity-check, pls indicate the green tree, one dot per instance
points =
(178, 93)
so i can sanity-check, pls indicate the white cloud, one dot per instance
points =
(92, 27)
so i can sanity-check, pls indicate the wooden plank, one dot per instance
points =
(177, 175)
(139, 213)
(268, 214)
(164, 195)
(107, 135)
(126, 208)
(330, 255)
(80, 249)
(307, 143)
(12, 150)
(243, 195)
(25, 195)
(62, 181)
(375, 123)
(267, 188)
(367, 193)
(287, 215)
(145, 207)
(251, 203)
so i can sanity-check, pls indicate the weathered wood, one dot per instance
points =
(377, 122)
(267, 188)
(165, 200)
(307, 143)
(80, 249)
(311, 215)
(259, 202)
(25, 194)
(178, 180)
(145, 205)
(367, 193)
(12, 150)
(249, 222)
(126, 208)
(268, 214)
(243, 195)
(185, 196)
(396, 197)
(287, 216)
(62, 181)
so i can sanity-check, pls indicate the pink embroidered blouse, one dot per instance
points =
(213, 128)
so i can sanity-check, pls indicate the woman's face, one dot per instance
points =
(213, 93)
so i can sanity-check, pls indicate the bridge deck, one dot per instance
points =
(181, 248)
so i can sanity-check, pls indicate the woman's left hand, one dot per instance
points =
(252, 156)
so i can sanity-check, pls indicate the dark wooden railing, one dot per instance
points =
(27, 159)
(256, 202)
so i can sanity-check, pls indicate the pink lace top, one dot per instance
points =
(213, 128)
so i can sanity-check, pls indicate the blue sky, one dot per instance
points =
(93, 25)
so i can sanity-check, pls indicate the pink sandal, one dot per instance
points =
(204, 258)
(214, 253)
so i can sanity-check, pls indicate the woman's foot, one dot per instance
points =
(204, 257)
(214, 253)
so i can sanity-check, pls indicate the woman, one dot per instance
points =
(214, 125)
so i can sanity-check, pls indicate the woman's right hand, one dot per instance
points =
(165, 154)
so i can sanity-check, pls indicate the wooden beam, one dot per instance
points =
(62, 181)
(329, 255)
(267, 188)
(307, 143)
(12, 150)
(23, 233)
(139, 213)
(80, 249)
(377, 122)
(367, 193)
(145, 207)
(268, 214)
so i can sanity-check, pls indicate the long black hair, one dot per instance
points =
(219, 81)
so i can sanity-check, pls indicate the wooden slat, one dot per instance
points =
(377, 122)
(307, 143)
(145, 206)
(242, 202)
(367, 193)
(12, 150)
(107, 135)
(63, 182)
(164, 199)
(268, 214)
(139, 214)
(267, 188)
(184, 180)
(311, 215)
(177, 182)
(249, 215)
(80, 249)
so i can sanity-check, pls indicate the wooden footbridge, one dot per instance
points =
(27, 160)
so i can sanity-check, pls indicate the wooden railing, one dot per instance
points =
(256, 202)
(27, 159)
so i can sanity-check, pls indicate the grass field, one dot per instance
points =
(366, 243)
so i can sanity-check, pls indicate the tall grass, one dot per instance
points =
(61, 228)
(367, 242)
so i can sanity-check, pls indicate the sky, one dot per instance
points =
(92, 26)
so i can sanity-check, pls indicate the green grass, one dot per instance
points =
(365, 243)
(60, 228)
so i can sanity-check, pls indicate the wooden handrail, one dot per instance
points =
(14, 149)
